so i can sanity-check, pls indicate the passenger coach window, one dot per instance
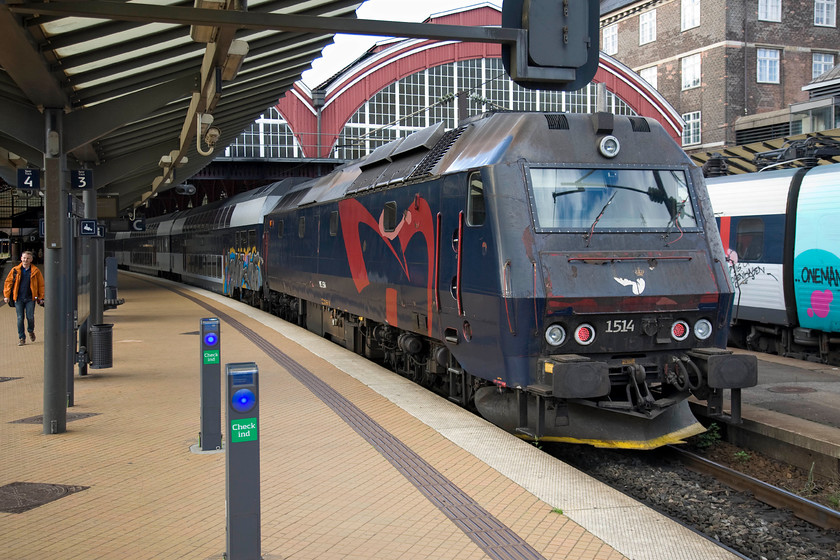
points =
(302, 226)
(475, 201)
(390, 218)
(252, 238)
(280, 229)
(749, 242)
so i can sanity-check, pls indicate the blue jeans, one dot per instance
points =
(29, 309)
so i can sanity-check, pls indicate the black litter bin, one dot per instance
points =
(101, 346)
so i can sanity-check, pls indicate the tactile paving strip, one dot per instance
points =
(487, 532)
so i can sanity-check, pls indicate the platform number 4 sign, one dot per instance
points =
(29, 179)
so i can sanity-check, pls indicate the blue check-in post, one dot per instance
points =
(242, 461)
(210, 434)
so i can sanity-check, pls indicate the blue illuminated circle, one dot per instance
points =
(243, 400)
(210, 339)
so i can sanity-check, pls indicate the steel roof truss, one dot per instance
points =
(23, 123)
(26, 66)
(86, 125)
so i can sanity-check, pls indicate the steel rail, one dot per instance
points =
(803, 508)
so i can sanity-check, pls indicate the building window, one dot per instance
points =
(496, 90)
(691, 14)
(611, 39)
(824, 116)
(649, 75)
(268, 137)
(441, 85)
(691, 71)
(767, 71)
(691, 132)
(524, 99)
(820, 64)
(825, 13)
(647, 27)
(413, 100)
(770, 10)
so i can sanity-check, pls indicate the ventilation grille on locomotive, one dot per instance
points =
(557, 121)
(436, 154)
(639, 124)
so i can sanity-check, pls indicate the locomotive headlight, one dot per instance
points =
(585, 334)
(555, 335)
(679, 330)
(702, 329)
(609, 146)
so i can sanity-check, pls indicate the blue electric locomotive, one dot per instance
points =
(781, 233)
(561, 272)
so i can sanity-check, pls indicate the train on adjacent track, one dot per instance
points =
(781, 234)
(560, 273)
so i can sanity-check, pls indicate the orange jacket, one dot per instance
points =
(36, 283)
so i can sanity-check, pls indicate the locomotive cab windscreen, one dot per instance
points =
(594, 199)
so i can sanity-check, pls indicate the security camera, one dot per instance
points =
(212, 136)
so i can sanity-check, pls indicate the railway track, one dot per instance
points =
(802, 508)
(746, 515)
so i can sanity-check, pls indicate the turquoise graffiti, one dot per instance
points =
(816, 281)
(243, 270)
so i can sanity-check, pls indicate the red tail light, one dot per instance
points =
(585, 334)
(679, 330)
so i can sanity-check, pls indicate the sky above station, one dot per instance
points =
(348, 48)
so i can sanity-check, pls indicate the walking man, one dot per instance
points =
(25, 287)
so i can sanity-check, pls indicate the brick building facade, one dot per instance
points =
(719, 61)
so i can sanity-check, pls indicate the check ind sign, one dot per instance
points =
(211, 357)
(243, 430)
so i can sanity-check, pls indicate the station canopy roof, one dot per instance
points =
(129, 78)
(788, 151)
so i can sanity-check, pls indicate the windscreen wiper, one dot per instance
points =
(588, 236)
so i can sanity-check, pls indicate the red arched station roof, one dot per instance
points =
(389, 62)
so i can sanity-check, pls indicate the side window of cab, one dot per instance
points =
(475, 201)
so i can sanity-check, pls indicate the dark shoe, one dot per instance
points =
(32, 336)
(21, 342)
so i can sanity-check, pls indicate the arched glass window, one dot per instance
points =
(430, 96)
(268, 137)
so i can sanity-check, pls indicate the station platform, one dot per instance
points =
(792, 414)
(356, 462)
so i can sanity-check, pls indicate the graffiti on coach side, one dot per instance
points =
(243, 270)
